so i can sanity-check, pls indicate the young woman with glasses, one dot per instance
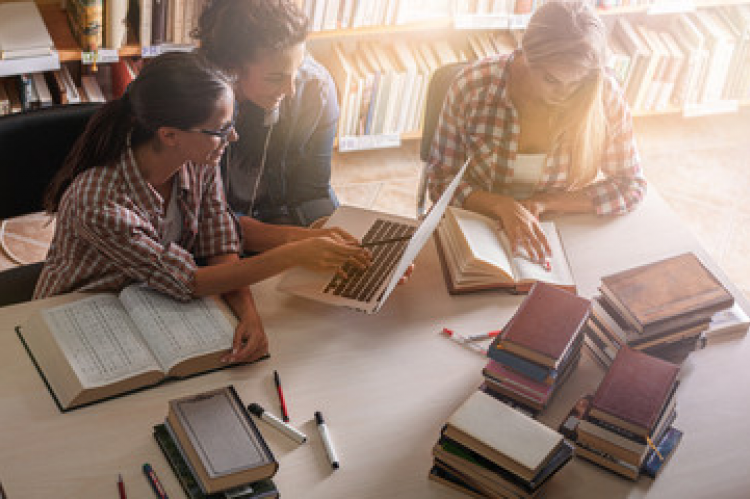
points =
(140, 199)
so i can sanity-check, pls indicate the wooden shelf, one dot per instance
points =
(67, 47)
(443, 23)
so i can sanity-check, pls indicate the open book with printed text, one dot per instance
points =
(90, 347)
(477, 255)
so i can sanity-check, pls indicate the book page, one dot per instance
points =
(481, 235)
(99, 340)
(175, 330)
(526, 269)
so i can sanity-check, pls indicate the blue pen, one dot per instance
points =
(154, 481)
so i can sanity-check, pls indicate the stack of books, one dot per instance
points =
(661, 308)
(633, 407)
(537, 349)
(215, 449)
(488, 449)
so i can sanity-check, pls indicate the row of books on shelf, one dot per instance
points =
(25, 92)
(699, 59)
(383, 86)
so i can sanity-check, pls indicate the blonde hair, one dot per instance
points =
(571, 33)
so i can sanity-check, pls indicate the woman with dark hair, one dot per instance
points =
(139, 199)
(546, 127)
(277, 176)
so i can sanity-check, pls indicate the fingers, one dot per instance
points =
(343, 235)
(249, 343)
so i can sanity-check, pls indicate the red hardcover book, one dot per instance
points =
(545, 325)
(634, 391)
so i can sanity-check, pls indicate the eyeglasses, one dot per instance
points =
(222, 133)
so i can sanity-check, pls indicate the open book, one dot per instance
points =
(92, 347)
(477, 255)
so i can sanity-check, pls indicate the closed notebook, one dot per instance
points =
(503, 435)
(660, 291)
(545, 325)
(634, 391)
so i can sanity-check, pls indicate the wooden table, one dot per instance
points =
(386, 383)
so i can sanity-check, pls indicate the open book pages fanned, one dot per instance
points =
(476, 255)
(92, 347)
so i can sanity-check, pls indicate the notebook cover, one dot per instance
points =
(635, 388)
(546, 323)
(662, 290)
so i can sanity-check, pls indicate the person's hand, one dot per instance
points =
(521, 225)
(250, 342)
(407, 274)
(331, 251)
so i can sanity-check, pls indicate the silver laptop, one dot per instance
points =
(367, 290)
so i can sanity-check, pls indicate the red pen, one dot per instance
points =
(121, 487)
(546, 265)
(277, 382)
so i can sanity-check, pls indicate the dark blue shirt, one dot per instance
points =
(295, 185)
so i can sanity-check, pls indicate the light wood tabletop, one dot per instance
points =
(385, 383)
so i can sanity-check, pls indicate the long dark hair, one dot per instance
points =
(176, 89)
(232, 32)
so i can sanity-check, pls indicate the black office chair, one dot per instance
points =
(33, 146)
(436, 90)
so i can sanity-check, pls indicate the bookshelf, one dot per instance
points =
(452, 24)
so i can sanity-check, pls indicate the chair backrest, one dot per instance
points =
(33, 146)
(436, 90)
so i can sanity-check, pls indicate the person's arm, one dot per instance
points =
(250, 342)
(624, 185)
(310, 149)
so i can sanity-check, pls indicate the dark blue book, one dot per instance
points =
(527, 368)
(666, 446)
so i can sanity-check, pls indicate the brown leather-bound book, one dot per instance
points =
(544, 326)
(652, 294)
(634, 391)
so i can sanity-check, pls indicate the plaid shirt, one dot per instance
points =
(479, 120)
(110, 227)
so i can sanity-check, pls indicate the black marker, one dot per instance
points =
(326, 437)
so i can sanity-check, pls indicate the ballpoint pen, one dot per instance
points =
(154, 481)
(121, 487)
(483, 336)
(280, 392)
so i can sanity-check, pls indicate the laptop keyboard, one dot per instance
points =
(361, 285)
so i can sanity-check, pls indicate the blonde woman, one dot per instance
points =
(546, 127)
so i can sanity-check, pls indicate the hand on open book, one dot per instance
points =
(522, 227)
(250, 342)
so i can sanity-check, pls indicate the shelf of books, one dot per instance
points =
(671, 56)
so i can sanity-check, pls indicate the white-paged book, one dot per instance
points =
(23, 32)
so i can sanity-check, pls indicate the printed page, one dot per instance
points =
(100, 341)
(175, 330)
(528, 270)
(482, 236)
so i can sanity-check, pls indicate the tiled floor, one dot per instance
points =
(701, 166)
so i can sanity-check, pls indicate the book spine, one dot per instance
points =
(641, 439)
(523, 366)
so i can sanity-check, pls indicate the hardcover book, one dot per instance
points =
(634, 391)
(680, 286)
(262, 489)
(477, 256)
(545, 326)
(503, 435)
(219, 440)
(93, 347)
